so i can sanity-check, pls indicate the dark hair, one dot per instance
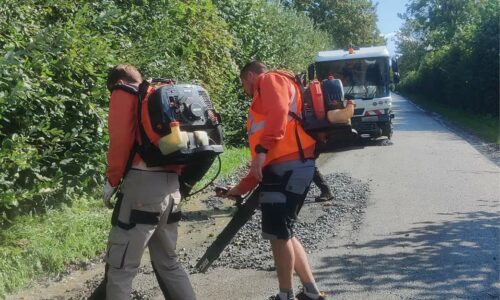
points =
(124, 72)
(255, 66)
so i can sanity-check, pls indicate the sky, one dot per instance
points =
(388, 20)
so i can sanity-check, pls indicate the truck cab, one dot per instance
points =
(365, 75)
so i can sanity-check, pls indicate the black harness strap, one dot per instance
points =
(144, 217)
(301, 150)
(145, 142)
(299, 144)
(125, 226)
(126, 87)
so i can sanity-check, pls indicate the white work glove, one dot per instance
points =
(107, 192)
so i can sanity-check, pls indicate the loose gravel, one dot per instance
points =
(317, 222)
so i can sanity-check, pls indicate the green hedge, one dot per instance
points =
(457, 59)
(54, 56)
(52, 104)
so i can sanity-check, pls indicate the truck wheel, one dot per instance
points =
(387, 129)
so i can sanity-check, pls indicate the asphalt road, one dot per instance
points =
(431, 228)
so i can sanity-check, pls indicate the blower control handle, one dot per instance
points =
(221, 191)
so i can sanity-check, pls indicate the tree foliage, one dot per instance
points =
(281, 37)
(54, 57)
(348, 22)
(449, 52)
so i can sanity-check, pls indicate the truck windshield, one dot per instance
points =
(364, 78)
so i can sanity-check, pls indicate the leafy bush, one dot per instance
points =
(54, 57)
(52, 104)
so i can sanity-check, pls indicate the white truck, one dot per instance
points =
(365, 75)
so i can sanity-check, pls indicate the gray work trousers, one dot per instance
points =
(149, 200)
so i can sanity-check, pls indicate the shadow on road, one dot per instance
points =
(445, 260)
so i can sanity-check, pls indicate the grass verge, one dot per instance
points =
(44, 245)
(35, 246)
(485, 126)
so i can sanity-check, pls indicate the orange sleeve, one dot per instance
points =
(247, 184)
(275, 96)
(122, 123)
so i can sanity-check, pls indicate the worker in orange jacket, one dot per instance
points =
(147, 210)
(283, 163)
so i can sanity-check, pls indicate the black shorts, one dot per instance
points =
(278, 219)
(283, 190)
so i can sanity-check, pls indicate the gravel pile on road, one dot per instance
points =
(316, 223)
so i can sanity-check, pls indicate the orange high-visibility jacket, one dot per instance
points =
(269, 124)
